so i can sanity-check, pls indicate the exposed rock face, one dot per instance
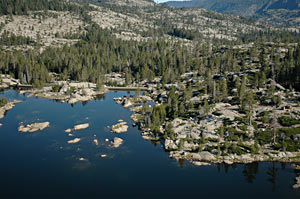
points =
(34, 127)
(121, 127)
(117, 142)
(211, 123)
(81, 126)
(74, 141)
(207, 135)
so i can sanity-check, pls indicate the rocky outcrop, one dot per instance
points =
(124, 101)
(117, 142)
(81, 126)
(121, 127)
(203, 156)
(33, 127)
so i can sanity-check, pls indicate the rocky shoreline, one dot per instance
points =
(187, 134)
(64, 91)
(184, 144)
(7, 107)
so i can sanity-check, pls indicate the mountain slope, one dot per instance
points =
(240, 7)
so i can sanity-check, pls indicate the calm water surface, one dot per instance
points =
(44, 165)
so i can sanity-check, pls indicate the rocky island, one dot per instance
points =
(33, 127)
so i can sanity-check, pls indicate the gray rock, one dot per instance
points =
(203, 156)
(170, 145)
(206, 135)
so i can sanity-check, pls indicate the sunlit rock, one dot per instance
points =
(117, 142)
(81, 126)
(34, 127)
(74, 141)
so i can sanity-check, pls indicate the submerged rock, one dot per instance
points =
(81, 126)
(34, 127)
(117, 142)
(74, 141)
(197, 163)
(297, 185)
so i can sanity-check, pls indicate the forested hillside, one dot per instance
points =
(169, 48)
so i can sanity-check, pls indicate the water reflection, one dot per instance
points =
(250, 171)
(272, 173)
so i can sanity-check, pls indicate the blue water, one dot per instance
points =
(43, 165)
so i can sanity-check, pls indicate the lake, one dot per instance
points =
(43, 165)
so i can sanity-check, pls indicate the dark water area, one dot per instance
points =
(43, 165)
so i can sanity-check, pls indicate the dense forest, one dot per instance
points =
(99, 52)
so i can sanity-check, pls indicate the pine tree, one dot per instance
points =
(224, 89)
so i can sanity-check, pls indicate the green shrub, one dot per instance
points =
(264, 137)
(288, 121)
(244, 120)
(56, 88)
(213, 139)
(289, 131)
(243, 127)
(3, 101)
(236, 149)
(232, 137)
